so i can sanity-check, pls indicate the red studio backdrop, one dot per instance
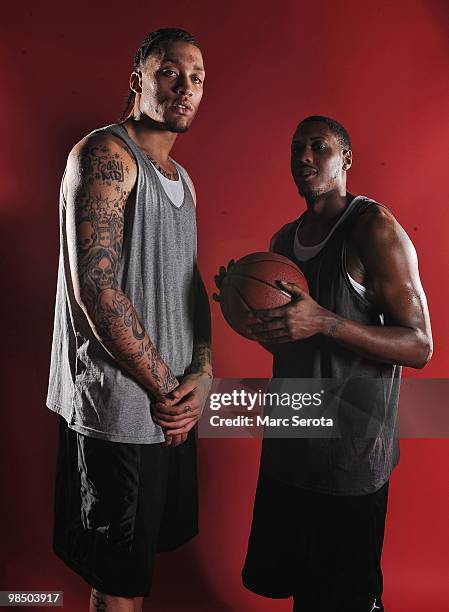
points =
(380, 68)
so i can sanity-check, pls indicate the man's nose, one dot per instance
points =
(305, 155)
(183, 86)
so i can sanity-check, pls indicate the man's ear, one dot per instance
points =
(347, 159)
(135, 81)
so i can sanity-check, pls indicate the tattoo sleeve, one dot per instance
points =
(95, 218)
(201, 358)
(98, 601)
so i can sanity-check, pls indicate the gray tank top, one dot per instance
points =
(158, 273)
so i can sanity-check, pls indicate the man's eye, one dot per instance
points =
(319, 146)
(196, 79)
(168, 72)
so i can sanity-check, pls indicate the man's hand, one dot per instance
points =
(300, 319)
(219, 278)
(182, 408)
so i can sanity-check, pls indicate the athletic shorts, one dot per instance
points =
(324, 550)
(117, 504)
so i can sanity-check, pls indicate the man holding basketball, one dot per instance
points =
(130, 367)
(320, 507)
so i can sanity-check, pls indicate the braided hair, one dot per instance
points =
(155, 43)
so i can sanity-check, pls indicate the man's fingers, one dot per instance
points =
(184, 429)
(175, 409)
(279, 312)
(178, 439)
(168, 441)
(167, 410)
(272, 313)
(170, 401)
(218, 280)
(177, 425)
(275, 339)
(276, 324)
(222, 271)
(186, 387)
(274, 335)
(169, 418)
(293, 288)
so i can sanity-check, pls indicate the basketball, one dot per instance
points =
(252, 283)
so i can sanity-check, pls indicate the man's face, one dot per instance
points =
(317, 160)
(172, 86)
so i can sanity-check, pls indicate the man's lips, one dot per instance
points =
(306, 172)
(183, 108)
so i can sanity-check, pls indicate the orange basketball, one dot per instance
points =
(252, 283)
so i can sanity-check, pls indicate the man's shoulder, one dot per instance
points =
(102, 148)
(102, 159)
(375, 217)
(283, 231)
(102, 142)
(376, 226)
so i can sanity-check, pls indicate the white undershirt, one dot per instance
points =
(173, 189)
(304, 253)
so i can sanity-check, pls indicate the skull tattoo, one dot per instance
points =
(89, 235)
(103, 274)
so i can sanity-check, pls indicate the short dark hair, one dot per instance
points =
(155, 43)
(335, 127)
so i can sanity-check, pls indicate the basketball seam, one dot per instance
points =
(242, 298)
(246, 304)
(259, 280)
(288, 263)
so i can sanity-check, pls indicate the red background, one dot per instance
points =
(378, 67)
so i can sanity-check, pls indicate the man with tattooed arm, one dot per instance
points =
(130, 365)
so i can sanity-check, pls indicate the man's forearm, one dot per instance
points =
(117, 326)
(201, 359)
(388, 344)
(201, 356)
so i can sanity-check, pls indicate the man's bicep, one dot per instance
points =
(98, 185)
(392, 265)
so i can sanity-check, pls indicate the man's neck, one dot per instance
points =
(147, 135)
(326, 208)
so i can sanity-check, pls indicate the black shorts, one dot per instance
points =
(324, 550)
(117, 504)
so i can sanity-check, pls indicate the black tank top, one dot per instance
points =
(366, 390)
